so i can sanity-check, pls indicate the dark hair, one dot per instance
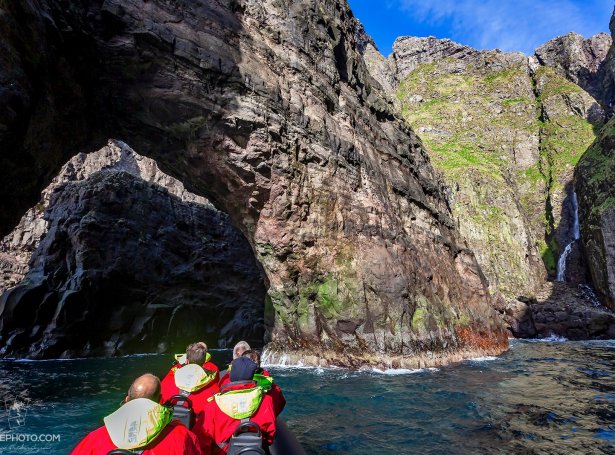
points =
(196, 353)
(254, 356)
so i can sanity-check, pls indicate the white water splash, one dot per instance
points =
(549, 339)
(576, 234)
(488, 358)
(401, 371)
(590, 296)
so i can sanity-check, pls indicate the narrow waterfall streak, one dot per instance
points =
(576, 235)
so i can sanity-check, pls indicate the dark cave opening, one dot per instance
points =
(126, 266)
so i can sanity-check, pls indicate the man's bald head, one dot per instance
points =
(240, 348)
(145, 386)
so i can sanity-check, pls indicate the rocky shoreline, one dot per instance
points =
(560, 309)
(360, 361)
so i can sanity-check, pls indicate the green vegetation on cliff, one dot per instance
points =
(564, 136)
(595, 173)
(507, 141)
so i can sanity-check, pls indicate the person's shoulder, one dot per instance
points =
(95, 440)
(178, 439)
(177, 430)
(171, 372)
(211, 367)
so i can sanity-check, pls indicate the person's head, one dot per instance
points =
(240, 348)
(253, 355)
(196, 353)
(242, 369)
(145, 386)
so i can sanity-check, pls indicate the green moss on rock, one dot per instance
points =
(484, 130)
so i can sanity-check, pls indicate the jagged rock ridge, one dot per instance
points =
(17, 247)
(582, 61)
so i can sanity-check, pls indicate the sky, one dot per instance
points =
(509, 25)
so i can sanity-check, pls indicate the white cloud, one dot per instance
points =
(508, 24)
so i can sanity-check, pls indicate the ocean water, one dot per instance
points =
(547, 397)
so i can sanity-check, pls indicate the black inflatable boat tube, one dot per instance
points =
(285, 442)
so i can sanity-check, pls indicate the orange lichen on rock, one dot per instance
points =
(473, 339)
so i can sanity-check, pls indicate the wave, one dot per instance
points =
(488, 358)
(300, 366)
(16, 360)
(401, 371)
(72, 359)
(549, 339)
(321, 369)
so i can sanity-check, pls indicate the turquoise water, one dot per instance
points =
(538, 398)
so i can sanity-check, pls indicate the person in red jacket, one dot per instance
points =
(140, 424)
(197, 378)
(241, 400)
(238, 350)
(273, 389)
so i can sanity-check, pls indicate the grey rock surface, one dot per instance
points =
(580, 60)
(409, 52)
(16, 248)
(560, 309)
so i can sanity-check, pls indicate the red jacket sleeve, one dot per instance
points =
(85, 446)
(265, 417)
(204, 430)
(191, 446)
(167, 386)
(277, 397)
(97, 442)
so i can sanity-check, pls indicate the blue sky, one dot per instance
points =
(509, 25)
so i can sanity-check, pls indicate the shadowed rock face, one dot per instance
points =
(594, 183)
(123, 265)
(560, 309)
(268, 110)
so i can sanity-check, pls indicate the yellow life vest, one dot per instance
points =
(182, 360)
(240, 404)
(193, 377)
(137, 423)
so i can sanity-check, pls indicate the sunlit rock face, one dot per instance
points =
(122, 259)
(268, 110)
(506, 131)
(582, 61)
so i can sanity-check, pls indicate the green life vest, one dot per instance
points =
(264, 382)
(193, 377)
(240, 404)
(137, 423)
